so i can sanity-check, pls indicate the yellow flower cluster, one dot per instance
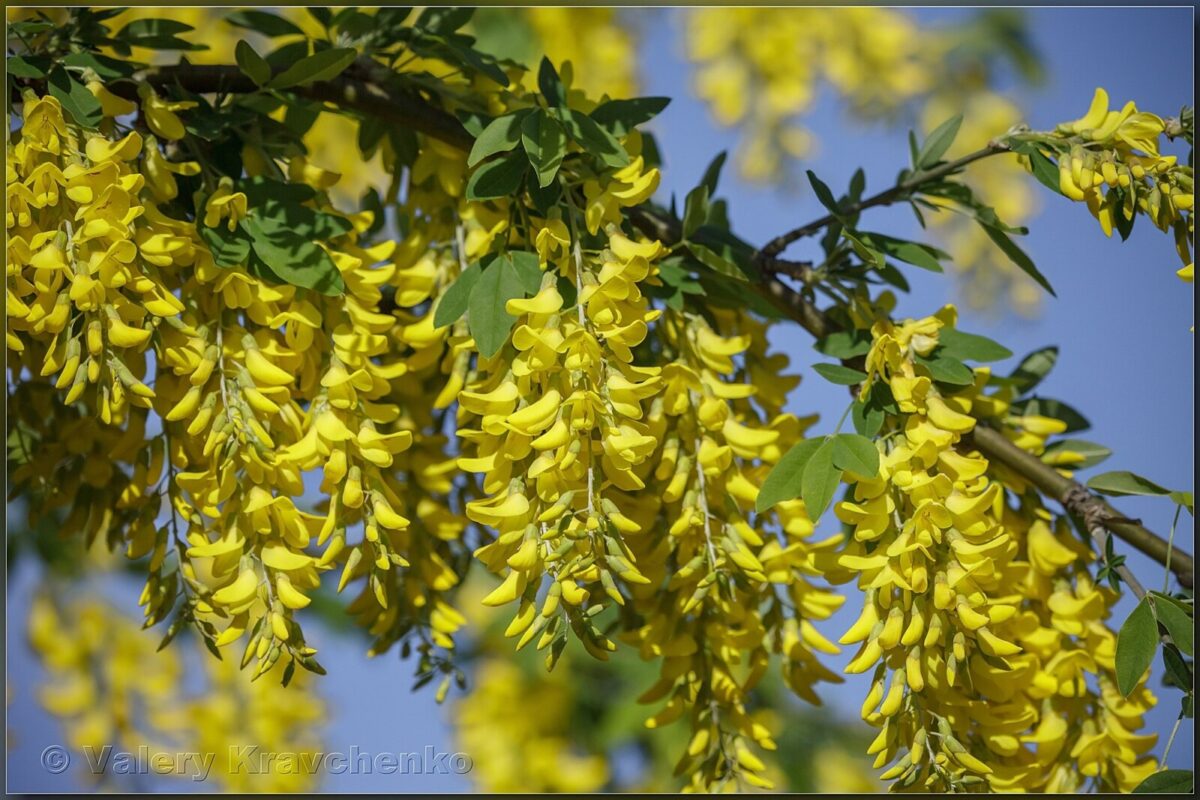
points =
(110, 688)
(557, 432)
(606, 479)
(762, 67)
(608, 450)
(256, 383)
(991, 663)
(85, 260)
(736, 594)
(599, 47)
(1110, 160)
(524, 752)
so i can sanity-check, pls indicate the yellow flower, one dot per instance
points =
(225, 202)
(160, 114)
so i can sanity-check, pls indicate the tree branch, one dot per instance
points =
(410, 110)
(886, 197)
(391, 105)
(1078, 500)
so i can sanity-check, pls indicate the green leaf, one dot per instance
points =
(619, 117)
(1042, 168)
(251, 63)
(712, 173)
(28, 66)
(819, 481)
(158, 34)
(944, 368)
(438, 19)
(1055, 409)
(264, 22)
(868, 254)
(322, 66)
(856, 454)
(80, 104)
(1136, 644)
(1121, 482)
(695, 210)
(105, 67)
(228, 249)
(453, 302)
(969, 346)
(262, 191)
(288, 672)
(277, 219)
(716, 262)
(858, 183)
(1184, 499)
(355, 24)
(867, 418)
(497, 178)
(1018, 256)
(550, 85)
(293, 259)
(490, 323)
(592, 138)
(1168, 781)
(501, 135)
(1123, 218)
(28, 27)
(1179, 674)
(1034, 368)
(919, 255)
(1178, 624)
(545, 144)
(841, 375)
(844, 344)
(370, 133)
(938, 142)
(893, 276)
(459, 50)
(1092, 453)
(528, 267)
(783, 481)
(545, 197)
(824, 195)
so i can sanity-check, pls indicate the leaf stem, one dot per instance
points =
(1170, 547)
(1171, 740)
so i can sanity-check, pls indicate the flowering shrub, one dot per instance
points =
(504, 357)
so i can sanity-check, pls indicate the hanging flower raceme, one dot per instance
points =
(1111, 160)
(559, 439)
(86, 286)
(962, 627)
(762, 67)
(725, 595)
(410, 562)
(257, 381)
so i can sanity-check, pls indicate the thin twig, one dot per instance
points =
(886, 197)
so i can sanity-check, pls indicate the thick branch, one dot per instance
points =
(394, 106)
(410, 110)
(1077, 500)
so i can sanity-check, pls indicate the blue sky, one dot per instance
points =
(1121, 321)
